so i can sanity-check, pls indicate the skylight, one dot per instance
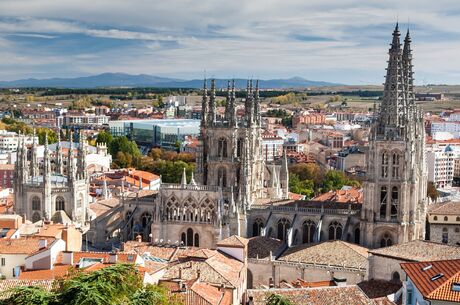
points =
(456, 287)
(437, 276)
(427, 267)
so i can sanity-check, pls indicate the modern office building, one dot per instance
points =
(156, 133)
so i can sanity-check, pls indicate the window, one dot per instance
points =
(384, 169)
(395, 165)
(446, 218)
(36, 203)
(239, 147)
(458, 218)
(189, 237)
(222, 148)
(394, 202)
(3, 261)
(308, 231)
(146, 218)
(445, 235)
(335, 230)
(196, 241)
(435, 218)
(357, 235)
(409, 296)
(283, 226)
(222, 177)
(457, 230)
(386, 240)
(383, 202)
(257, 227)
(395, 277)
(60, 204)
(36, 217)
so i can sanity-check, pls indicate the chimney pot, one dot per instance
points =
(113, 258)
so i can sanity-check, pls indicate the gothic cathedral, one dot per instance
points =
(395, 201)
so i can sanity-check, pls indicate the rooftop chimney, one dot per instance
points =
(113, 258)
(67, 258)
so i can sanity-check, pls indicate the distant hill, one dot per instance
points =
(143, 80)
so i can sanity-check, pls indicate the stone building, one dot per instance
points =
(395, 201)
(444, 223)
(43, 193)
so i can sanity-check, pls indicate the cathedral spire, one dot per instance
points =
(204, 105)
(408, 77)
(71, 160)
(257, 104)
(183, 180)
(81, 168)
(212, 103)
(34, 166)
(392, 112)
(249, 105)
(59, 160)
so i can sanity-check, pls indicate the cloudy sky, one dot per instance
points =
(342, 41)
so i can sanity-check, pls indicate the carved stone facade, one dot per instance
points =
(45, 192)
(395, 191)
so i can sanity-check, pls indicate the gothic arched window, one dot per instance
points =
(335, 230)
(357, 235)
(283, 226)
(146, 218)
(384, 165)
(189, 239)
(196, 241)
(257, 227)
(395, 165)
(239, 147)
(36, 217)
(36, 204)
(394, 202)
(60, 204)
(383, 202)
(222, 148)
(395, 277)
(308, 231)
(222, 176)
(386, 240)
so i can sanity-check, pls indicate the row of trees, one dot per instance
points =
(310, 179)
(116, 284)
(168, 164)
(10, 124)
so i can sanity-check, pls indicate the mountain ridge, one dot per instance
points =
(109, 79)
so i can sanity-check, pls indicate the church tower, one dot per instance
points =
(394, 207)
(230, 154)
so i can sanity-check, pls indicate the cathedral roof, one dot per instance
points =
(261, 246)
(312, 296)
(337, 252)
(233, 241)
(419, 250)
(61, 217)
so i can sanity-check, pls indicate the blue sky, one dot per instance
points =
(342, 41)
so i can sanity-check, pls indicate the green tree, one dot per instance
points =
(113, 285)
(276, 299)
(43, 132)
(298, 186)
(130, 153)
(104, 137)
(334, 180)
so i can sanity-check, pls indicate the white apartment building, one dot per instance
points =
(272, 147)
(82, 120)
(9, 141)
(446, 126)
(441, 164)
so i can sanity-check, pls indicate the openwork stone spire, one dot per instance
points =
(392, 118)
(204, 105)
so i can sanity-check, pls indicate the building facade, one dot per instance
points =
(43, 193)
(394, 209)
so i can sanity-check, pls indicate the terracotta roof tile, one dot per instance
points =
(423, 277)
(8, 284)
(27, 245)
(447, 208)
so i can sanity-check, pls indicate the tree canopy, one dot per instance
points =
(113, 285)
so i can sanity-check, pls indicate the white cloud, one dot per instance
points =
(184, 37)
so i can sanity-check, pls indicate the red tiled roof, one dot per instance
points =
(422, 275)
(234, 241)
(353, 195)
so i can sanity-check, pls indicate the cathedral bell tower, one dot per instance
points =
(395, 190)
